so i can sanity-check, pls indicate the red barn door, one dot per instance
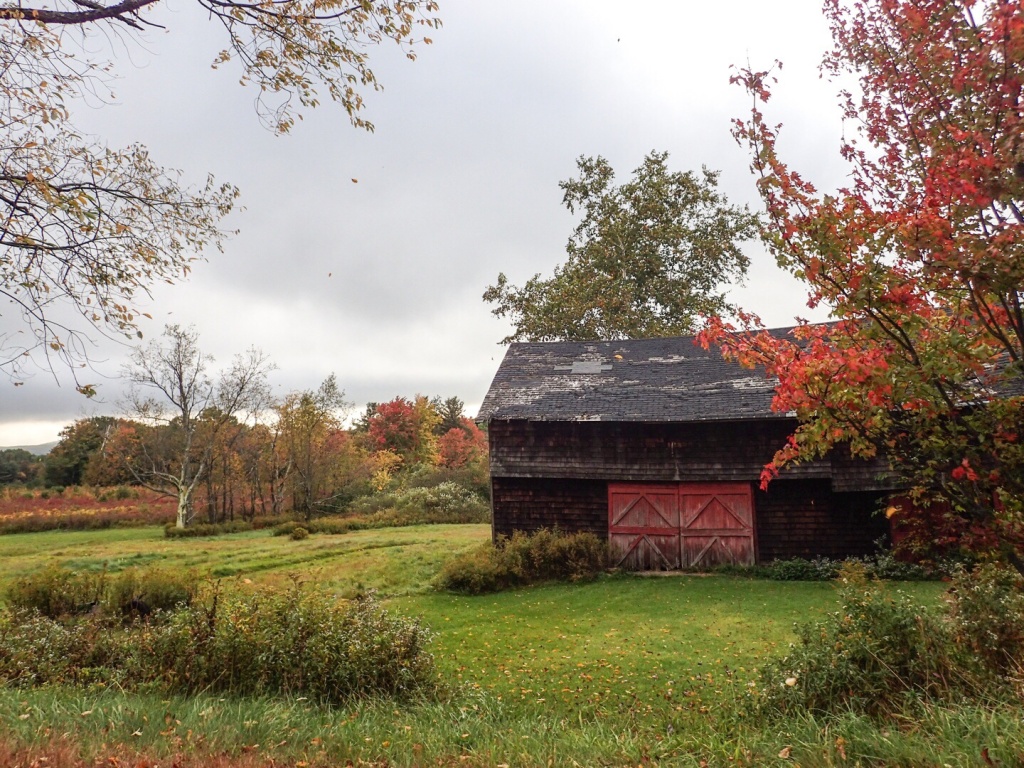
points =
(681, 525)
(643, 526)
(716, 524)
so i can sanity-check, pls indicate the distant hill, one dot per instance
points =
(35, 450)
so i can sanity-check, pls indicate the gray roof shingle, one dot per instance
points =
(670, 379)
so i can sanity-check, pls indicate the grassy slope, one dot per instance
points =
(626, 670)
(392, 560)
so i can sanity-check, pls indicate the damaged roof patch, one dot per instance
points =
(671, 379)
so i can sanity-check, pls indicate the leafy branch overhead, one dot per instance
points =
(96, 228)
(648, 257)
(920, 259)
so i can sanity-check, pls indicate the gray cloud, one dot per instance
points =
(380, 280)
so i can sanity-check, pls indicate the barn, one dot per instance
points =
(657, 445)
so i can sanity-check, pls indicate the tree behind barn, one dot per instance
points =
(921, 258)
(648, 257)
(313, 444)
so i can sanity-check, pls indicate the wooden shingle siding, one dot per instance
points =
(528, 505)
(633, 452)
(567, 421)
(803, 519)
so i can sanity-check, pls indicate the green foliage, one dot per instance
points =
(648, 257)
(36, 650)
(134, 591)
(298, 533)
(66, 463)
(60, 593)
(295, 642)
(524, 559)
(881, 566)
(19, 466)
(446, 503)
(54, 592)
(988, 616)
(877, 655)
(171, 531)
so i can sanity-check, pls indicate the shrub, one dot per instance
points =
(59, 593)
(987, 610)
(54, 592)
(476, 572)
(881, 566)
(446, 502)
(298, 533)
(39, 650)
(286, 528)
(872, 655)
(135, 591)
(171, 531)
(290, 642)
(524, 559)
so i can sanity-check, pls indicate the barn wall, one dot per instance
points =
(547, 474)
(641, 452)
(524, 504)
(805, 519)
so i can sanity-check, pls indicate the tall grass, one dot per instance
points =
(621, 670)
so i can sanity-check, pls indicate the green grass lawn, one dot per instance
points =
(626, 670)
(394, 561)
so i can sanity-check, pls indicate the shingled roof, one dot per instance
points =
(671, 379)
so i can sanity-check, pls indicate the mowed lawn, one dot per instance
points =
(393, 561)
(625, 670)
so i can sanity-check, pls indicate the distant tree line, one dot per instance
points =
(227, 450)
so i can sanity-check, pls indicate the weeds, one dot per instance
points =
(524, 559)
(883, 654)
(264, 641)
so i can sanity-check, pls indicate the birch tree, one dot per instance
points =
(173, 392)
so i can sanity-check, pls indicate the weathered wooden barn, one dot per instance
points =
(658, 445)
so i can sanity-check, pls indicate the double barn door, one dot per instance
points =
(680, 525)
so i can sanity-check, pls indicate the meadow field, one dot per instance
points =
(623, 670)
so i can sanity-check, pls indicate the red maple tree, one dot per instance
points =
(461, 445)
(921, 260)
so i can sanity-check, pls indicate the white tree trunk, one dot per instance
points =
(183, 500)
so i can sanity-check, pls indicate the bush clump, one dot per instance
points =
(55, 592)
(38, 650)
(881, 566)
(59, 593)
(880, 651)
(265, 641)
(136, 592)
(546, 555)
(987, 611)
(446, 502)
(171, 531)
(293, 642)
(298, 533)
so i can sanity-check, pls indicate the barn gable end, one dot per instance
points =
(575, 427)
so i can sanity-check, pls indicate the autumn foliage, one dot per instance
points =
(921, 260)
(460, 446)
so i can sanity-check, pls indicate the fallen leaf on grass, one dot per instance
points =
(784, 754)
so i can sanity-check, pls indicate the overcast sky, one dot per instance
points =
(380, 280)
